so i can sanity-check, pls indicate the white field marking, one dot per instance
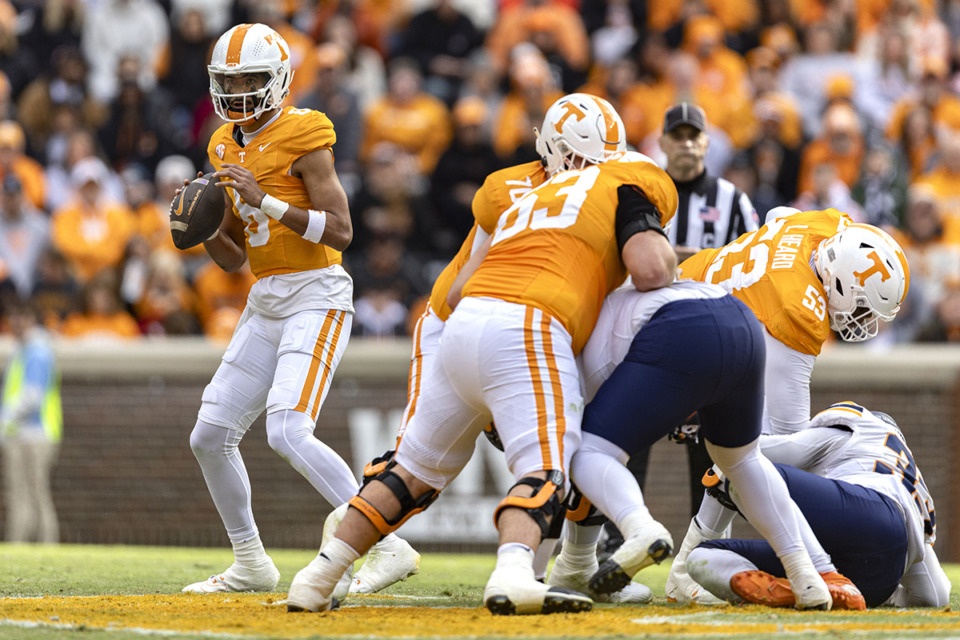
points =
(24, 624)
(705, 619)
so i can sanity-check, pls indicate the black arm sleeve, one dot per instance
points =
(635, 214)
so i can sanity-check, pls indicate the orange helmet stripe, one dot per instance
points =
(612, 136)
(236, 43)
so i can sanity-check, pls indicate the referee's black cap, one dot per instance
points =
(684, 113)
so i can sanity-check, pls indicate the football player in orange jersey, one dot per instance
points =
(500, 190)
(803, 274)
(525, 302)
(286, 212)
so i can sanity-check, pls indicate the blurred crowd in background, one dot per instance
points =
(104, 111)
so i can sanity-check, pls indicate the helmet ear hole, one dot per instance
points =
(838, 285)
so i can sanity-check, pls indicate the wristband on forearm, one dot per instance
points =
(273, 207)
(316, 223)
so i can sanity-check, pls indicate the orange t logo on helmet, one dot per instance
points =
(878, 267)
(571, 110)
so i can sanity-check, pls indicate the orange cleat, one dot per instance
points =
(760, 587)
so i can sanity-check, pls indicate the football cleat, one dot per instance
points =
(568, 574)
(511, 592)
(651, 546)
(312, 588)
(238, 579)
(760, 587)
(388, 562)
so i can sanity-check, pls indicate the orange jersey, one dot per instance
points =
(556, 248)
(770, 271)
(272, 248)
(499, 191)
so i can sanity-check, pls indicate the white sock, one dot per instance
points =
(583, 535)
(541, 557)
(340, 555)
(713, 518)
(511, 554)
(250, 553)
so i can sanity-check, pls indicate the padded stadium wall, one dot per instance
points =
(126, 474)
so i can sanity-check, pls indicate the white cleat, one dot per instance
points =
(650, 546)
(238, 579)
(313, 586)
(511, 591)
(568, 574)
(388, 562)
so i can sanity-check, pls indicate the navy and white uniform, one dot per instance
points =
(856, 482)
(667, 353)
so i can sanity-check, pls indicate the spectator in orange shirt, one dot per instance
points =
(541, 22)
(91, 231)
(408, 117)
(221, 297)
(840, 144)
(102, 316)
(723, 72)
(13, 161)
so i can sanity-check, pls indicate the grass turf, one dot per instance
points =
(445, 580)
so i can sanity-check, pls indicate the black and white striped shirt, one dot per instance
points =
(711, 213)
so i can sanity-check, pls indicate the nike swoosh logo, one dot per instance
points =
(264, 146)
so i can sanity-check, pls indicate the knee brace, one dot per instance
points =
(408, 505)
(581, 511)
(545, 503)
(377, 466)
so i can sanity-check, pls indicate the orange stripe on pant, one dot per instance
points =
(553, 373)
(413, 382)
(318, 349)
(327, 366)
(534, 365)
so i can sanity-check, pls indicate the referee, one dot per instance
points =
(711, 213)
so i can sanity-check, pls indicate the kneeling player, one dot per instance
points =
(867, 504)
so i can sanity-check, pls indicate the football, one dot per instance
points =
(196, 212)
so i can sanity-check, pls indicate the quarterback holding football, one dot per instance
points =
(286, 212)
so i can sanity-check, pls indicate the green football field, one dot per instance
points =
(121, 593)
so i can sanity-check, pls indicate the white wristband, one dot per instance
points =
(273, 207)
(215, 234)
(316, 223)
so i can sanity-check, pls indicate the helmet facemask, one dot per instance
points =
(865, 278)
(262, 52)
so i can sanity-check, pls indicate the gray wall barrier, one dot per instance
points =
(126, 474)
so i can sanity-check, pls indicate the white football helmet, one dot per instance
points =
(244, 49)
(579, 128)
(866, 277)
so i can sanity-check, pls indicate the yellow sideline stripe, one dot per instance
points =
(263, 615)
